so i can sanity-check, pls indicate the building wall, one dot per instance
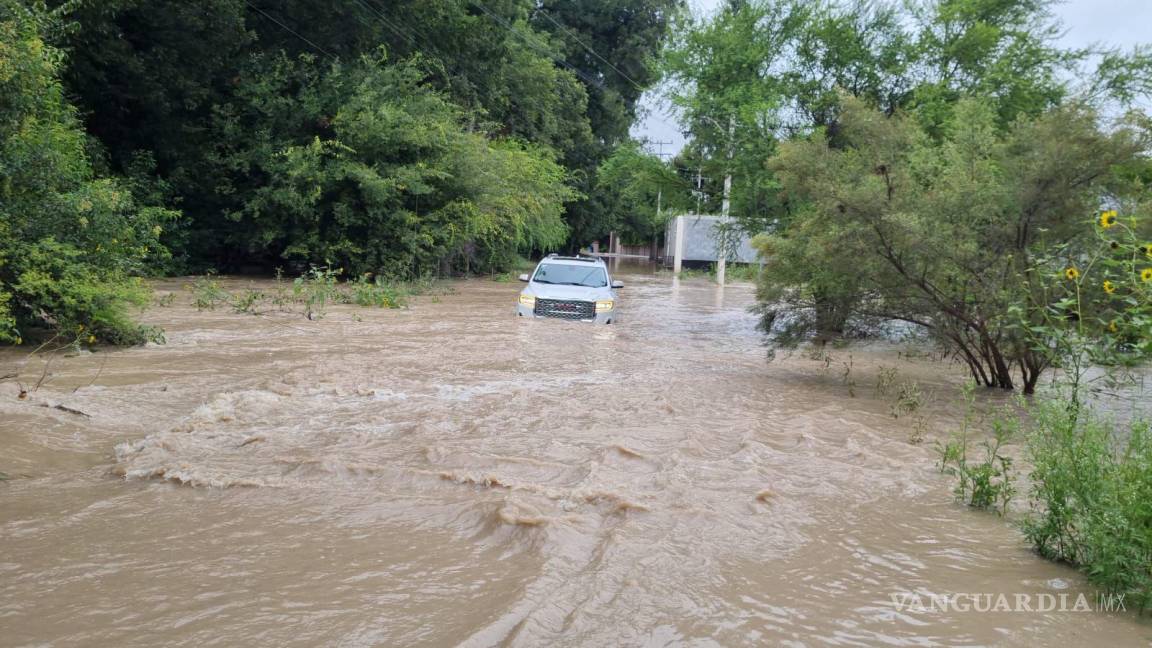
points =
(700, 241)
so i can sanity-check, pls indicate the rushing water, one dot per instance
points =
(451, 475)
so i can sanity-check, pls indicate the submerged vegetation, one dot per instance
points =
(312, 293)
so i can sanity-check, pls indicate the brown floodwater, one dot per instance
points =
(449, 474)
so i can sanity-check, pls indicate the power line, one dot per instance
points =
(590, 50)
(388, 25)
(554, 57)
(371, 5)
(661, 144)
(535, 45)
(290, 30)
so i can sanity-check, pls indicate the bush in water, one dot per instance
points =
(1092, 497)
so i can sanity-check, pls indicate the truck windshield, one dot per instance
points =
(571, 275)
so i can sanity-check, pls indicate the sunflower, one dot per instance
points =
(1108, 218)
(1146, 275)
(1072, 274)
(1109, 287)
(91, 339)
(1148, 250)
(1112, 326)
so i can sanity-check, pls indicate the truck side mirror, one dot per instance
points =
(523, 277)
(617, 284)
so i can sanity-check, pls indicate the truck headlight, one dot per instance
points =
(604, 306)
(528, 300)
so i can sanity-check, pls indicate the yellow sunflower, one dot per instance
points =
(1072, 274)
(1112, 326)
(1146, 275)
(1148, 250)
(1108, 218)
(1109, 287)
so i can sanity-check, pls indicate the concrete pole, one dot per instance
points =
(652, 251)
(722, 261)
(678, 246)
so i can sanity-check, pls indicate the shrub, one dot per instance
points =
(1091, 497)
(69, 242)
(316, 289)
(376, 292)
(988, 482)
(207, 293)
(248, 301)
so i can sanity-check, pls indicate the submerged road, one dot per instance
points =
(452, 475)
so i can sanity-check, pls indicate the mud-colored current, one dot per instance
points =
(449, 474)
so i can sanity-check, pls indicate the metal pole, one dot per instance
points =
(678, 258)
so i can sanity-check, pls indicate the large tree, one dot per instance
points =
(152, 79)
(941, 226)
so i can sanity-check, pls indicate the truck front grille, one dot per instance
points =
(565, 309)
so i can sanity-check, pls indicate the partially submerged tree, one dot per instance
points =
(942, 233)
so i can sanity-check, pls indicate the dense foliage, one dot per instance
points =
(399, 137)
(943, 234)
(364, 167)
(923, 162)
(561, 78)
(1092, 498)
(69, 240)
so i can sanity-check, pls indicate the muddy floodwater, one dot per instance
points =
(449, 474)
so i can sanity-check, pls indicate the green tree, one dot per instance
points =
(69, 241)
(645, 192)
(944, 234)
(364, 166)
(729, 86)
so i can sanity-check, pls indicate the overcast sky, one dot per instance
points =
(1122, 23)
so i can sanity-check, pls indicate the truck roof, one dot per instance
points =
(569, 260)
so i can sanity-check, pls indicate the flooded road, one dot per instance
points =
(451, 475)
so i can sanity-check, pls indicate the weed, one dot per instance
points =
(1091, 497)
(989, 482)
(919, 430)
(207, 293)
(316, 289)
(846, 377)
(378, 293)
(165, 300)
(248, 301)
(281, 296)
(886, 380)
(908, 399)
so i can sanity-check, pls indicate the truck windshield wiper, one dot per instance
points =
(543, 281)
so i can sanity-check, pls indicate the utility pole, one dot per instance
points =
(659, 197)
(722, 249)
(699, 188)
(659, 221)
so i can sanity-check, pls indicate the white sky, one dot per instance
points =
(1122, 23)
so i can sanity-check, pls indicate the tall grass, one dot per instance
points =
(1091, 497)
(313, 292)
